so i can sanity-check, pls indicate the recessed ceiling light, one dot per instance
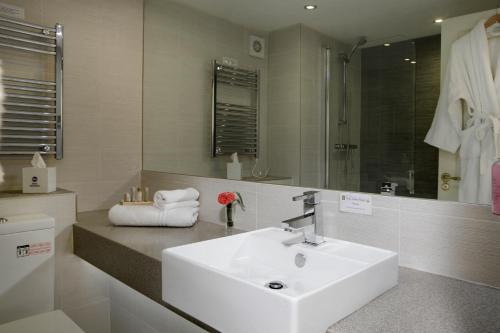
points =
(413, 62)
(438, 20)
(310, 7)
(387, 44)
(407, 59)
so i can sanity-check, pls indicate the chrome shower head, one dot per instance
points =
(361, 41)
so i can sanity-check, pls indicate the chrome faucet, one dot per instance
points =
(299, 224)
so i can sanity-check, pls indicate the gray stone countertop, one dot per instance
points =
(422, 302)
(150, 241)
(19, 193)
(427, 303)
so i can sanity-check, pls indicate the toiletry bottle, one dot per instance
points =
(133, 195)
(495, 187)
(139, 194)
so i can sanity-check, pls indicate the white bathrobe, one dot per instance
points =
(470, 87)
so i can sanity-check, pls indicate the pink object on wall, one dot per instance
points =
(495, 188)
(2, 95)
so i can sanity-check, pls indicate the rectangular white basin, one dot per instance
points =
(222, 282)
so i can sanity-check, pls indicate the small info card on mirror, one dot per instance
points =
(356, 203)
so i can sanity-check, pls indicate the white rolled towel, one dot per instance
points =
(167, 197)
(152, 217)
(176, 205)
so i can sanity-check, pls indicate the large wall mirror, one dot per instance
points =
(325, 94)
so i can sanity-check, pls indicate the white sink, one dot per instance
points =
(222, 282)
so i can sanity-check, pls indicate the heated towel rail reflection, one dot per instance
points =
(32, 119)
(235, 126)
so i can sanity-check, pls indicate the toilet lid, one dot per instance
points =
(49, 322)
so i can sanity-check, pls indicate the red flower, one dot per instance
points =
(225, 198)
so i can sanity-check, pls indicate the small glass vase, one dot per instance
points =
(230, 215)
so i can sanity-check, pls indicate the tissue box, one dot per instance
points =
(233, 170)
(39, 180)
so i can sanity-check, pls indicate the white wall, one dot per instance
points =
(283, 121)
(101, 99)
(447, 238)
(81, 290)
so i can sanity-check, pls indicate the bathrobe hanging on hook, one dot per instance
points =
(468, 112)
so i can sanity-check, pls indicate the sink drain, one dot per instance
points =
(276, 285)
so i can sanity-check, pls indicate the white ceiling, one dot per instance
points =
(346, 20)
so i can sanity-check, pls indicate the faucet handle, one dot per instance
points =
(311, 197)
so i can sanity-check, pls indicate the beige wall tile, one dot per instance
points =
(179, 46)
(285, 40)
(449, 208)
(458, 247)
(380, 229)
(102, 95)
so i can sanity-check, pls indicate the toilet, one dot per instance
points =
(27, 277)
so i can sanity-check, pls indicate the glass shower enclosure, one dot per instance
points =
(378, 118)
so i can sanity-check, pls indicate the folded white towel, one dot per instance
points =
(181, 204)
(167, 197)
(152, 216)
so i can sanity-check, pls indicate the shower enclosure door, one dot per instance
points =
(388, 118)
(377, 119)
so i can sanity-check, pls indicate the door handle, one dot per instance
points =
(446, 178)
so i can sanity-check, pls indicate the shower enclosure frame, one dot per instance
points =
(326, 84)
(346, 58)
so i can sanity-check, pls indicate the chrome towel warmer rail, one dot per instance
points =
(32, 118)
(234, 126)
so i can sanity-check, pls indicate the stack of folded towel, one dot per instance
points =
(177, 208)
